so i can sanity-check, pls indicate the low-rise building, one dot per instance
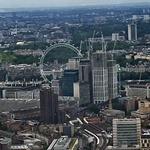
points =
(110, 114)
(130, 104)
(145, 141)
(20, 147)
(64, 143)
(144, 110)
(26, 114)
(127, 134)
(138, 89)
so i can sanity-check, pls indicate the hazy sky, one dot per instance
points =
(51, 3)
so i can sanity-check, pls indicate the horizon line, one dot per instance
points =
(75, 6)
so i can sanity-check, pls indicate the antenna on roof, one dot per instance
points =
(104, 44)
(90, 42)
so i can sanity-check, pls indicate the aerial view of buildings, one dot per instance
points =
(75, 77)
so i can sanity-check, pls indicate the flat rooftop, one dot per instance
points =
(62, 142)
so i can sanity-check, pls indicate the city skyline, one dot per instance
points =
(60, 3)
(74, 75)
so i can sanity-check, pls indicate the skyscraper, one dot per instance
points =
(132, 32)
(104, 77)
(85, 82)
(127, 133)
(48, 105)
(84, 70)
(68, 80)
(112, 77)
(100, 77)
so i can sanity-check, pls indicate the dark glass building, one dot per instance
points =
(85, 82)
(68, 79)
(48, 105)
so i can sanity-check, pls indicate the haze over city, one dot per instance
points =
(58, 3)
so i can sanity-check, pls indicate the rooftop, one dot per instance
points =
(62, 142)
(19, 147)
(146, 135)
(113, 112)
(4, 140)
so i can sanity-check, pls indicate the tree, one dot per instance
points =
(93, 108)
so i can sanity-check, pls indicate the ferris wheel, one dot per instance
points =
(52, 48)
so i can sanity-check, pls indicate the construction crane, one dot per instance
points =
(90, 42)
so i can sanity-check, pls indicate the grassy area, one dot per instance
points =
(61, 54)
(7, 57)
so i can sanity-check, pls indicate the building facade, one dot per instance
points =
(132, 32)
(145, 141)
(100, 77)
(112, 77)
(67, 84)
(73, 64)
(115, 37)
(127, 133)
(64, 143)
(56, 86)
(104, 77)
(85, 82)
(144, 110)
(138, 90)
(48, 105)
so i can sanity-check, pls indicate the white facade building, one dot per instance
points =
(127, 133)
(132, 32)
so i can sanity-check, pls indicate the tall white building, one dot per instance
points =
(127, 133)
(100, 77)
(112, 77)
(115, 37)
(132, 32)
(104, 77)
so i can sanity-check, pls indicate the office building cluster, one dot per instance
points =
(90, 80)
